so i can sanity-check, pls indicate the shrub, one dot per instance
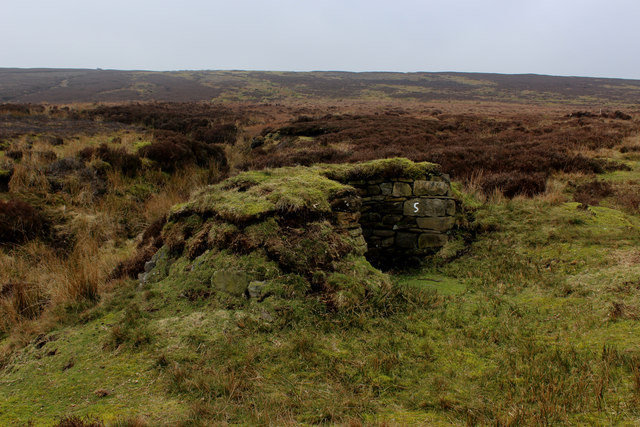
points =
(172, 151)
(592, 192)
(514, 184)
(20, 222)
(118, 158)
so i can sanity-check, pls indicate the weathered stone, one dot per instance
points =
(392, 208)
(374, 190)
(406, 240)
(426, 207)
(374, 217)
(401, 189)
(255, 289)
(436, 223)
(451, 207)
(362, 192)
(387, 243)
(386, 188)
(374, 181)
(430, 188)
(383, 233)
(152, 271)
(431, 240)
(234, 282)
(391, 219)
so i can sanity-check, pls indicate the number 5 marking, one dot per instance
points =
(415, 206)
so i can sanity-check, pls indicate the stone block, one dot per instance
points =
(374, 190)
(372, 216)
(431, 188)
(406, 240)
(451, 207)
(234, 282)
(392, 207)
(431, 240)
(391, 219)
(255, 289)
(436, 223)
(387, 243)
(383, 233)
(426, 207)
(401, 189)
(386, 188)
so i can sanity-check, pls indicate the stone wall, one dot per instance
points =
(402, 220)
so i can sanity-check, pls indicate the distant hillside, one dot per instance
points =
(79, 85)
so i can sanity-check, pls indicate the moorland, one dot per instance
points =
(528, 315)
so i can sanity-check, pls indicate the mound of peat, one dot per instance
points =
(284, 232)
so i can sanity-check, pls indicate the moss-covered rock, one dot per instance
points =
(284, 229)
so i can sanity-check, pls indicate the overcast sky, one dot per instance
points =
(558, 37)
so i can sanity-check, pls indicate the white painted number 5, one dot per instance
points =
(415, 206)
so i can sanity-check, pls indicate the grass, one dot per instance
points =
(533, 319)
(522, 329)
(68, 372)
(432, 282)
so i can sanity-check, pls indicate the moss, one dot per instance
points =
(259, 234)
(356, 284)
(383, 168)
(251, 196)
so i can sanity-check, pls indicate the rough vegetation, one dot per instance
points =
(158, 269)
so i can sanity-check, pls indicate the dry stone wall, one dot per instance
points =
(402, 220)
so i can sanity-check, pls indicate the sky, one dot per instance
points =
(556, 37)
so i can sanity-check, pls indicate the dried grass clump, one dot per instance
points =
(119, 159)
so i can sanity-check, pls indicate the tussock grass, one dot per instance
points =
(528, 316)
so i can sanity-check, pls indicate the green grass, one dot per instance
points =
(42, 383)
(534, 322)
(432, 282)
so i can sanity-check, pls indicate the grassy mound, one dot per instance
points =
(278, 233)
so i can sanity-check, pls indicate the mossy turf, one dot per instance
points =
(535, 322)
